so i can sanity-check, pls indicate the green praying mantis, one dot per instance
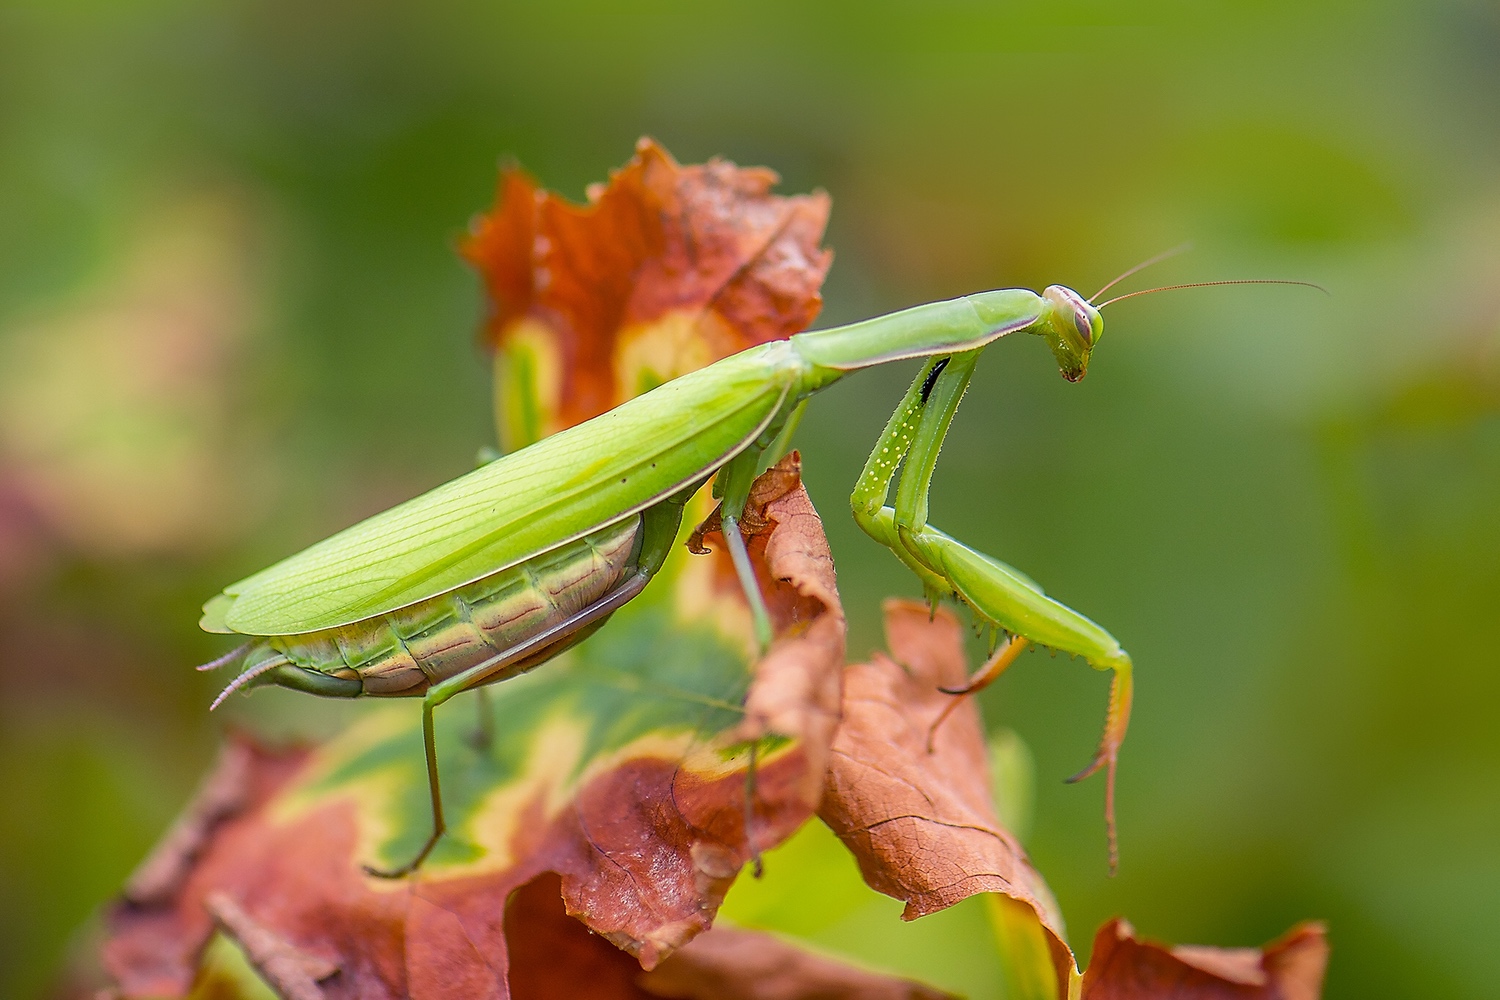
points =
(498, 571)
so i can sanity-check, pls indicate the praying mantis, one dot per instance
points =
(501, 569)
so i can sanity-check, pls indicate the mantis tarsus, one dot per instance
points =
(499, 570)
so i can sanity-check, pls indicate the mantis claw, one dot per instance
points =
(983, 678)
(1092, 767)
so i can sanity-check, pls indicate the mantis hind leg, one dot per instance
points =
(999, 595)
(518, 659)
(435, 790)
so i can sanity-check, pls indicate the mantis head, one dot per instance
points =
(1071, 326)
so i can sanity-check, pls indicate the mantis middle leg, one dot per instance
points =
(733, 489)
(999, 595)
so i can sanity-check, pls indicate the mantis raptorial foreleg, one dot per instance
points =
(999, 595)
(868, 499)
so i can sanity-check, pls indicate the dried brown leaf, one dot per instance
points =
(923, 829)
(920, 823)
(772, 484)
(553, 955)
(732, 964)
(1126, 968)
(666, 269)
(794, 692)
(158, 954)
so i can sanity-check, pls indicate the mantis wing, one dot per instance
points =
(518, 506)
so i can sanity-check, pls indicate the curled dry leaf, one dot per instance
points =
(1125, 968)
(667, 268)
(923, 829)
(621, 766)
(732, 964)
(920, 823)
(164, 938)
(552, 955)
(772, 484)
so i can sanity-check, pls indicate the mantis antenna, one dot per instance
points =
(1164, 255)
(1205, 284)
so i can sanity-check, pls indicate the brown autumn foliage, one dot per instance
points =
(728, 964)
(923, 828)
(666, 269)
(553, 957)
(920, 823)
(1126, 968)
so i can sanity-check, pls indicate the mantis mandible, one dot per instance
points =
(498, 571)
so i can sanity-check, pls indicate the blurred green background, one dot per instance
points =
(232, 320)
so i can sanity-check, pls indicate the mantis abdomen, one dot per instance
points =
(404, 652)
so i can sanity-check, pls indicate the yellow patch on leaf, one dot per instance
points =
(667, 268)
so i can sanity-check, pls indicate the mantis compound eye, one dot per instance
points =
(1085, 327)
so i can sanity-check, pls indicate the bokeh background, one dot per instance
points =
(232, 320)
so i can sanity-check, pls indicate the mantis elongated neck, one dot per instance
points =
(936, 328)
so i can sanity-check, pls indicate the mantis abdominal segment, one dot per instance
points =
(404, 652)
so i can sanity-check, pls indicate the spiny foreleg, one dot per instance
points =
(1000, 596)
